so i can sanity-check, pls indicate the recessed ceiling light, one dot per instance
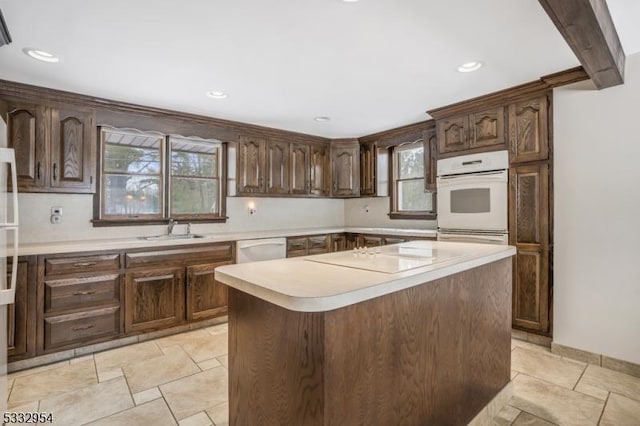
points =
(216, 94)
(322, 119)
(41, 55)
(470, 66)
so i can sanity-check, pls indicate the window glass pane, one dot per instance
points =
(184, 163)
(131, 195)
(194, 196)
(411, 163)
(132, 159)
(412, 196)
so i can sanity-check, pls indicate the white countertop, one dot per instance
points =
(135, 242)
(305, 284)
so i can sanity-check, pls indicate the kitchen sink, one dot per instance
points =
(167, 237)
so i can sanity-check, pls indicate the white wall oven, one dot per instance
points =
(472, 198)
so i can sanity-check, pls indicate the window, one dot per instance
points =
(409, 198)
(148, 177)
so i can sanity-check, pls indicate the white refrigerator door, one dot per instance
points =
(8, 225)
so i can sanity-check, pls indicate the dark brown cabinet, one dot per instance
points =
(55, 147)
(277, 168)
(368, 159)
(320, 180)
(300, 169)
(477, 131)
(251, 156)
(154, 299)
(371, 240)
(304, 246)
(206, 297)
(345, 161)
(529, 130)
(21, 328)
(430, 138)
(529, 232)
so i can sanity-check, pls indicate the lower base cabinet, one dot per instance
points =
(21, 327)
(206, 297)
(154, 299)
(77, 328)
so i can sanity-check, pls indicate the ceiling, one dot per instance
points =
(369, 66)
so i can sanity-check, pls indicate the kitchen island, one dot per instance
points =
(414, 333)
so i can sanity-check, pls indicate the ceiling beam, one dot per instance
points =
(587, 27)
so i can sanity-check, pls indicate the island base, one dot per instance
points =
(436, 353)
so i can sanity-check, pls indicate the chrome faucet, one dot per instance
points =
(172, 223)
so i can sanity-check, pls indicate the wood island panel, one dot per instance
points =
(436, 353)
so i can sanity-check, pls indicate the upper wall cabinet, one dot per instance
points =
(475, 132)
(528, 130)
(251, 165)
(368, 163)
(277, 167)
(320, 180)
(300, 168)
(430, 157)
(55, 147)
(346, 168)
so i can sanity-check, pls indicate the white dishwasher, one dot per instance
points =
(262, 249)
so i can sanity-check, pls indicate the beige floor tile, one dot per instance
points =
(532, 347)
(555, 403)
(612, 381)
(514, 373)
(154, 413)
(51, 382)
(90, 403)
(591, 390)
(24, 408)
(506, 416)
(546, 367)
(36, 370)
(224, 360)
(200, 419)
(626, 367)
(218, 329)
(173, 365)
(106, 375)
(209, 364)
(219, 414)
(201, 349)
(121, 357)
(183, 338)
(147, 395)
(81, 358)
(193, 394)
(526, 419)
(621, 411)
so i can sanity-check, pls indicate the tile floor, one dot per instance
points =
(161, 382)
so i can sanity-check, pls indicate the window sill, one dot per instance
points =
(412, 216)
(98, 223)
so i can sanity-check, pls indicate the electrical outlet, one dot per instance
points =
(56, 215)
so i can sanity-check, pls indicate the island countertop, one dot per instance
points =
(330, 281)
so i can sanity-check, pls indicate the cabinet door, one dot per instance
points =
(453, 134)
(297, 246)
(21, 315)
(206, 297)
(277, 167)
(72, 150)
(371, 241)
(430, 158)
(320, 174)
(319, 244)
(346, 165)
(338, 242)
(352, 241)
(27, 126)
(251, 165)
(154, 299)
(528, 130)
(529, 232)
(299, 169)
(487, 128)
(368, 161)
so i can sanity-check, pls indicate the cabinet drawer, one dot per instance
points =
(370, 241)
(74, 293)
(318, 242)
(394, 240)
(296, 244)
(70, 265)
(297, 253)
(178, 256)
(81, 327)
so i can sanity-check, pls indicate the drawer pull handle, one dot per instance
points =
(84, 327)
(83, 293)
(81, 264)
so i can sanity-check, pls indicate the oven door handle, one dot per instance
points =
(474, 179)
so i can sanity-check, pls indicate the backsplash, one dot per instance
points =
(374, 212)
(77, 211)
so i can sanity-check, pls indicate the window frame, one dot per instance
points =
(394, 211)
(101, 219)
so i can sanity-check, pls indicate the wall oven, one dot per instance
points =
(472, 198)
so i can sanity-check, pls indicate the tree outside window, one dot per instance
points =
(409, 197)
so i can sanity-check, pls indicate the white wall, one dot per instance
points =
(355, 211)
(597, 217)
(77, 210)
